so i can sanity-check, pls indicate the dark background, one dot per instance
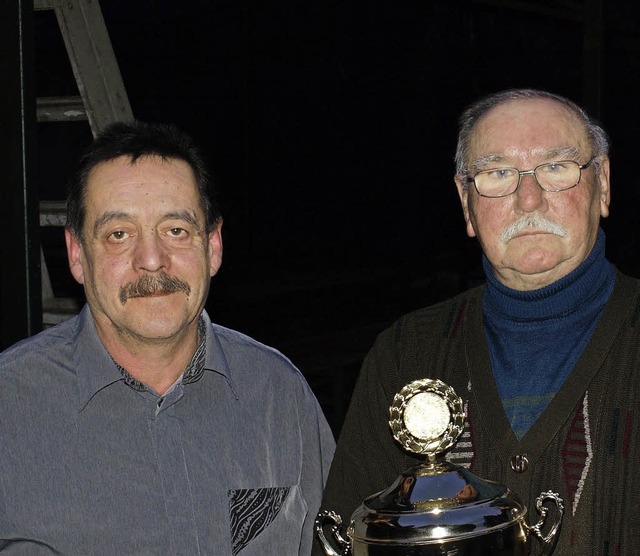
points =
(331, 127)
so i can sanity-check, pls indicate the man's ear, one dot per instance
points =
(215, 248)
(74, 255)
(463, 192)
(604, 181)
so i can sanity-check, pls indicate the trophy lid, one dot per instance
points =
(436, 501)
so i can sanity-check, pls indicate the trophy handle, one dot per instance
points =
(327, 517)
(548, 541)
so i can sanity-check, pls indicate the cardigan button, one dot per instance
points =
(519, 463)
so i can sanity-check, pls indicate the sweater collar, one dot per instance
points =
(592, 278)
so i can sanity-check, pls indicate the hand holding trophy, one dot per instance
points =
(437, 508)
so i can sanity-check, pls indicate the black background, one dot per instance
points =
(330, 127)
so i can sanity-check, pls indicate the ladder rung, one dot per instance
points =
(40, 5)
(64, 305)
(53, 213)
(51, 317)
(61, 109)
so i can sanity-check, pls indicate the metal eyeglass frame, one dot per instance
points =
(531, 173)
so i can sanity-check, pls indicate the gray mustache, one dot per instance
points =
(532, 221)
(153, 285)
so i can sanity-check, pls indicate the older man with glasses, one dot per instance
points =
(545, 354)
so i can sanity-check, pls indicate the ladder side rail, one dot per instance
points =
(93, 62)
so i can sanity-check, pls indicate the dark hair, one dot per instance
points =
(137, 139)
(474, 113)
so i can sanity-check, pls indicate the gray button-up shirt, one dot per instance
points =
(231, 463)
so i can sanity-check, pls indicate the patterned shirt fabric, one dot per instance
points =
(232, 460)
(585, 445)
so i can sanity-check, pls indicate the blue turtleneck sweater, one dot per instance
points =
(536, 337)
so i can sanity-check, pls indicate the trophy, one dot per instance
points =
(438, 508)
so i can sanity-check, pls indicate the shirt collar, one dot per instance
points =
(95, 369)
(194, 369)
(215, 357)
(93, 365)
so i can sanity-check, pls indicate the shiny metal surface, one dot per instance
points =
(435, 503)
(511, 541)
(437, 508)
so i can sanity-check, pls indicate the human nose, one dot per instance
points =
(529, 196)
(150, 253)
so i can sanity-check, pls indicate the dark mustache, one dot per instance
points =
(153, 285)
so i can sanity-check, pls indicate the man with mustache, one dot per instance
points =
(139, 426)
(544, 355)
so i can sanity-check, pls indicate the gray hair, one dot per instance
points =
(474, 113)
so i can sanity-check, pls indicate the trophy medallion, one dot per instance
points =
(426, 417)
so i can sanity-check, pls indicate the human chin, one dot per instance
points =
(160, 308)
(534, 257)
(155, 325)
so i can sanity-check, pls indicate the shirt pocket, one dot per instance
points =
(266, 520)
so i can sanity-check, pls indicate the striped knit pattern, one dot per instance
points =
(462, 453)
(577, 454)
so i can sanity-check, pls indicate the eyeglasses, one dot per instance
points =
(550, 176)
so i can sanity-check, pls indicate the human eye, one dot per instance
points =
(118, 236)
(500, 174)
(177, 232)
(177, 235)
(556, 168)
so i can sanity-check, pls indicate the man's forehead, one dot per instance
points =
(124, 185)
(535, 112)
(537, 128)
(150, 172)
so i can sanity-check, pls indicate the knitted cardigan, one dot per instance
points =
(585, 446)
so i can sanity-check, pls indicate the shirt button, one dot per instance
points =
(519, 463)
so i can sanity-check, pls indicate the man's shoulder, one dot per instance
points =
(39, 371)
(627, 279)
(444, 307)
(234, 339)
(437, 319)
(50, 344)
(249, 357)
